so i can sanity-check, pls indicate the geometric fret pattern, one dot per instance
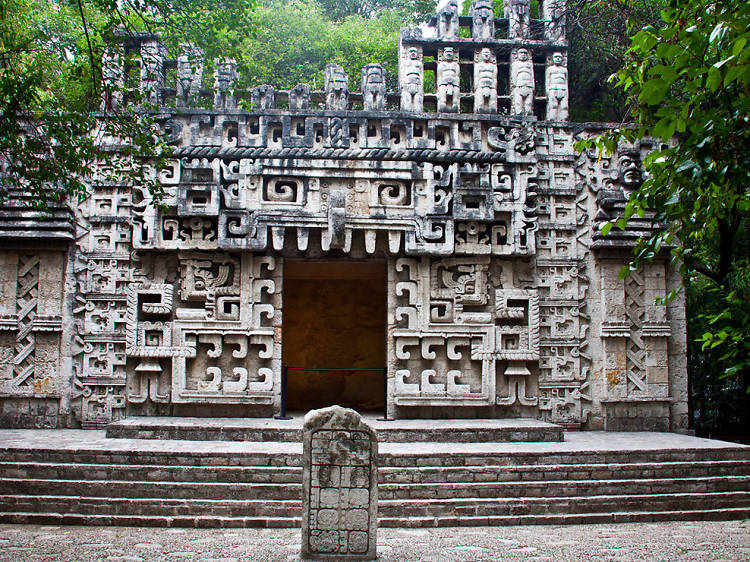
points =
(635, 310)
(27, 298)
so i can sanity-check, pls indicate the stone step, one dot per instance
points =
(153, 473)
(161, 507)
(293, 491)
(196, 458)
(402, 513)
(390, 475)
(462, 458)
(724, 514)
(391, 431)
(206, 521)
(191, 521)
(412, 457)
(556, 488)
(146, 489)
(563, 472)
(485, 507)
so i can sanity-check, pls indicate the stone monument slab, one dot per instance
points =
(340, 486)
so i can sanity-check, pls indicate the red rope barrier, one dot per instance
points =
(380, 370)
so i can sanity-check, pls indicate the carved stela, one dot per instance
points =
(458, 176)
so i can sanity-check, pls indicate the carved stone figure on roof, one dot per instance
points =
(447, 24)
(448, 81)
(557, 88)
(299, 97)
(113, 78)
(337, 88)
(553, 14)
(411, 80)
(483, 20)
(373, 87)
(225, 77)
(153, 54)
(189, 74)
(519, 17)
(263, 97)
(485, 81)
(522, 82)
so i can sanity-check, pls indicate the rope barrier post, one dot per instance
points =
(385, 396)
(284, 375)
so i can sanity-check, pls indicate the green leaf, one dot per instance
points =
(713, 81)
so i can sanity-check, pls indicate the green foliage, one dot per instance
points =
(406, 10)
(599, 38)
(50, 80)
(293, 41)
(688, 82)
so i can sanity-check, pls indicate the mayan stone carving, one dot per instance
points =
(503, 296)
(482, 16)
(448, 81)
(373, 87)
(557, 88)
(339, 486)
(189, 75)
(522, 82)
(411, 78)
(485, 81)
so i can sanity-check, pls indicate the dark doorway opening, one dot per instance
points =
(335, 318)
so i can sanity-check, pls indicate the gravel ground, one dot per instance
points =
(722, 540)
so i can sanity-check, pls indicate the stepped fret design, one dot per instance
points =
(636, 352)
(28, 288)
(502, 298)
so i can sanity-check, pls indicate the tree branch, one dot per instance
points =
(88, 43)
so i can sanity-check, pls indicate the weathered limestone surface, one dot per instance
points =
(503, 298)
(339, 486)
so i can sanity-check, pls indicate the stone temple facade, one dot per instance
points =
(444, 235)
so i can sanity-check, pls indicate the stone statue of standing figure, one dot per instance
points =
(448, 81)
(411, 80)
(485, 81)
(522, 82)
(557, 88)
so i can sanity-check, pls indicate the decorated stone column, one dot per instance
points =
(339, 486)
(615, 329)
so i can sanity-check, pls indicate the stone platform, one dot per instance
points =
(391, 431)
(83, 477)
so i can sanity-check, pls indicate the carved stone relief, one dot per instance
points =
(504, 298)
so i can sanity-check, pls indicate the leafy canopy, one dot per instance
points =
(50, 82)
(688, 82)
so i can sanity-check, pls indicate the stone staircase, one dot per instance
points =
(587, 478)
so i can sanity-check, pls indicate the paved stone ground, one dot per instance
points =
(726, 540)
